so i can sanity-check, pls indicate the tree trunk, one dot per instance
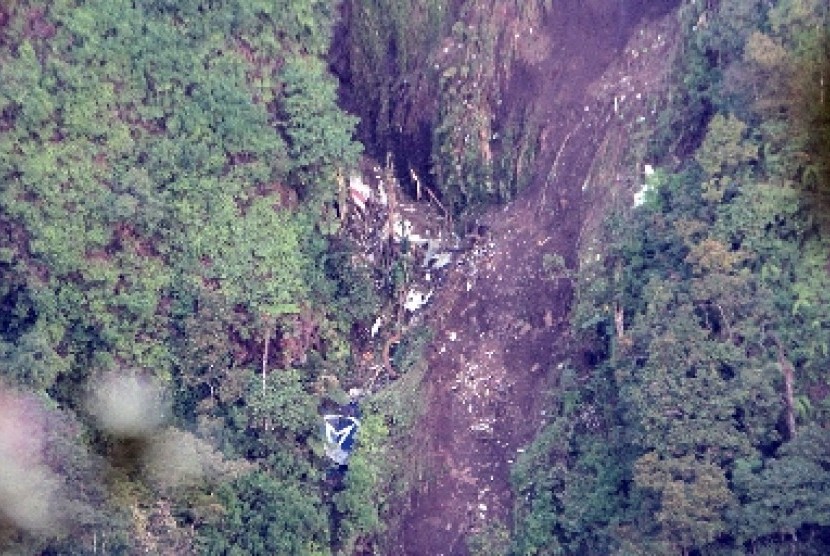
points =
(788, 373)
(343, 196)
(391, 199)
(387, 348)
(619, 321)
(265, 355)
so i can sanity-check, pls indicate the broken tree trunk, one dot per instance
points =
(417, 183)
(342, 196)
(619, 321)
(788, 372)
(387, 348)
(392, 205)
(265, 355)
(435, 200)
(432, 196)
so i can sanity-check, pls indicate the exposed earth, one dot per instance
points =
(501, 318)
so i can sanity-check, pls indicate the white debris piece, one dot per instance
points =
(376, 326)
(401, 228)
(416, 299)
(415, 239)
(359, 191)
(440, 260)
(382, 194)
(339, 433)
(650, 183)
(432, 246)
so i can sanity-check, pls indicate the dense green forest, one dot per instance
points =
(699, 424)
(177, 303)
(168, 175)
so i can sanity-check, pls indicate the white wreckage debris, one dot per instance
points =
(339, 434)
(382, 197)
(438, 261)
(415, 300)
(482, 427)
(650, 183)
(359, 191)
(435, 258)
(402, 230)
(376, 326)
(386, 225)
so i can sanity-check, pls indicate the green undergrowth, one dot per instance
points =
(386, 466)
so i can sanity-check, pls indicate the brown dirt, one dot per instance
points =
(500, 322)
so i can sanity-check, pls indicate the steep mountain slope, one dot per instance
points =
(501, 319)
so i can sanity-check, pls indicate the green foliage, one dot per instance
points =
(282, 409)
(150, 155)
(409, 352)
(693, 90)
(264, 515)
(382, 470)
(463, 131)
(722, 151)
(721, 283)
(353, 291)
(318, 134)
(427, 78)
(32, 359)
(693, 498)
(566, 481)
(788, 492)
(359, 504)
(260, 246)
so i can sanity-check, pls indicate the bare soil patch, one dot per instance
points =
(500, 320)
